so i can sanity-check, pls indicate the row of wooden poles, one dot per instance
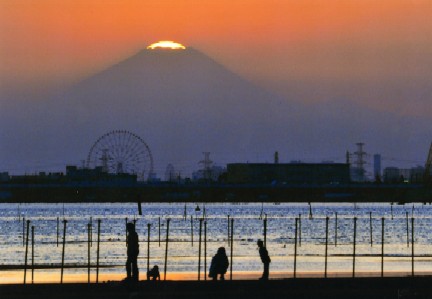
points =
(89, 241)
(203, 231)
(228, 226)
(89, 234)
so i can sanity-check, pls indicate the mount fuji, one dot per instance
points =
(183, 103)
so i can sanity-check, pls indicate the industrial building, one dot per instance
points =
(394, 175)
(292, 173)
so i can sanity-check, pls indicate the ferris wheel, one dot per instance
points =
(120, 152)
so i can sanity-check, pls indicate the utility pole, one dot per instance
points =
(360, 162)
(207, 163)
(276, 158)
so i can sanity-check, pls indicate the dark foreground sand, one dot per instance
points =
(346, 288)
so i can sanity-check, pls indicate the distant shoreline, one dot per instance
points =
(93, 192)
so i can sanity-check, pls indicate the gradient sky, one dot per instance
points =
(374, 52)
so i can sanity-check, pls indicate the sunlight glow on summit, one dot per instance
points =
(166, 44)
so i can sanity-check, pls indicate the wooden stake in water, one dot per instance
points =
(354, 245)
(91, 231)
(159, 232)
(126, 231)
(370, 228)
(63, 250)
(412, 246)
(58, 230)
(32, 273)
(310, 211)
(191, 222)
(262, 211)
(382, 246)
(97, 252)
(300, 231)
(407, 228)
(391, 210)
(232, 245)
(265, 230)
(228, 232)
(26, 250)
(139, 208)
(336, 229)
(88, 251)
(326, 247)
(166, 248)
(23, 231)
(148, 246)
(199, 249)
(205, 250)
(295, 248)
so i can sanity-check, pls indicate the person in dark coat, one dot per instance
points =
(265, 259)
(132, 253)
(219, 264)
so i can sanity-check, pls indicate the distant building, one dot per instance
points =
(292, 173)
(417, 175)
(170, 174)
(73, 173)
(356, 174)
(4, 176)
(41, 178)
(395, 175)
(377, 166)
(404, 175)
(391, 175)
(212, 173)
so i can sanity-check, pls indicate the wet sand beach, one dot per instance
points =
(16, 277)
(390, 287)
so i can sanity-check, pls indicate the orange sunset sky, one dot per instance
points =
(375, 52)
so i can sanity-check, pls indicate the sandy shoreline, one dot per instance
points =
(53, 276)
(335, 288)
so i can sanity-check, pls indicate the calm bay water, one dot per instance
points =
(248, 227)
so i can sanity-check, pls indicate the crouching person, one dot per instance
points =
(219, 264)
(153, 274)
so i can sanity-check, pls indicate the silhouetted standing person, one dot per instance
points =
(265, 259)
(132, 253)
(219, 264)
